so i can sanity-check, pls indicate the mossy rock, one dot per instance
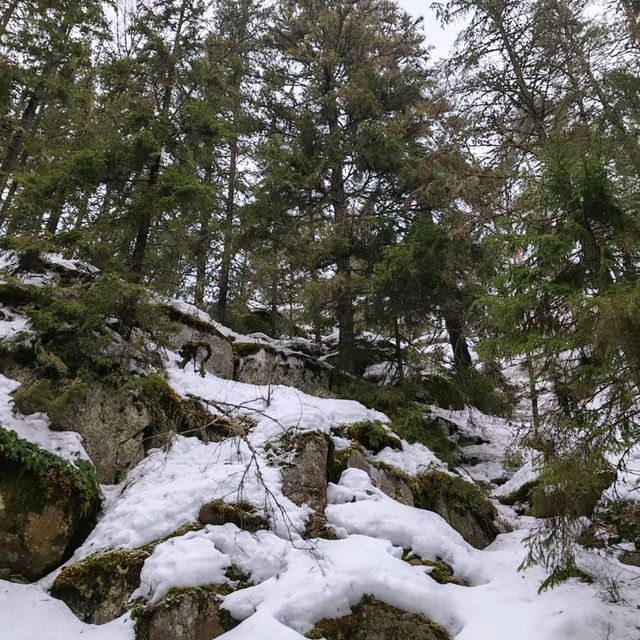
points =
(47, 507)
(97, 588)
(462, 504)
(185, 614)
(372, 435)
(374, 620)
(441, 571)
(243, 514)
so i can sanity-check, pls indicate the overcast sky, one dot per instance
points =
(441, 39)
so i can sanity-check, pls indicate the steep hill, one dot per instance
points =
(165, 478)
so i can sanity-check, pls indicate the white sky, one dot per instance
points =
(440, 39)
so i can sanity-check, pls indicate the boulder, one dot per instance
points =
(111, 423)
(374, 620)
(97, 588)
(184, 614)
(242, 514)
(193, 329)
(47, 507)
(461, 503)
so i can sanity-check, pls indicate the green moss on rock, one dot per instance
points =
(372, 435)
(462, 504)
(374, 620)
(243, 514)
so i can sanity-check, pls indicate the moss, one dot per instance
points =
(108, 576)
(387, 621)
(199, 599)
(35, 397)
(243, 514)
(372, 435)
(459, 502)
(74, 488)
(412, 424)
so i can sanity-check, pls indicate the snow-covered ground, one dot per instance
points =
(297, 582)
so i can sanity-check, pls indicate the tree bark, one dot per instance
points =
(458, 341)
(227, 241)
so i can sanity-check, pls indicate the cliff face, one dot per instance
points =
(164, 478)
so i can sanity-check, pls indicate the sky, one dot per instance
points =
(440, 39)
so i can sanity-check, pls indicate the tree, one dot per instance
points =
(349, 100)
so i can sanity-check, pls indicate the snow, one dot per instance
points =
(35, 428)
(296, 582)
(413, 459)
(277, 409)
(166, 490)
(524, 475)
(27, 613)
(57, 260)
(12, 324)
(187, 561)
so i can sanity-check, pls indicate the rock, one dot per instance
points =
(111, 423)
(47, 507)
(630, 557)
(194, 329)
(373, 620)
(305, 480)
(462, 504)
(220, 363)
(389, 480)
(263, 364)
(97, 588)
(242, 514)
(441, 572)
(372, 435)
(186, 614)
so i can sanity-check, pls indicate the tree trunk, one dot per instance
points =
(12, 155)
(227, 241)
(146, 216)
(458, 341)
(398, 344)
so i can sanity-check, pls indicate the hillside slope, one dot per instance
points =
(238, 510)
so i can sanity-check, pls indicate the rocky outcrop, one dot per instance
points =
(47, 507)
(194, 330)
(462, 504)
(264, 364)
(185, 614)
(373, 620)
